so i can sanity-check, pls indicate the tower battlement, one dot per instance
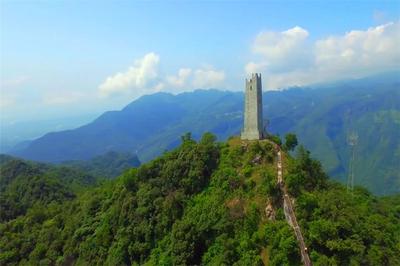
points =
(253, 121)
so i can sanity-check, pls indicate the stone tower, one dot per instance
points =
(253, 120)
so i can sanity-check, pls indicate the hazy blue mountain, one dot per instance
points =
(148, 125)
(20, 133)
(322, 117)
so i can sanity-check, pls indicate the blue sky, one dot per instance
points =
(64, 58)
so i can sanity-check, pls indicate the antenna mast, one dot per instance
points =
(352, 141)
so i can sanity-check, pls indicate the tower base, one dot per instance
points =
(251, 135)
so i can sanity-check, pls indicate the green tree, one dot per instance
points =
(200, 204)
(290, 141)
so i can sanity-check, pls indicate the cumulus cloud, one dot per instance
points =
(144, 77)
(138, 77)
(276, 47)
(181, 79)
(288, 58)
(207, 78)
(254, 67)
(201, 78)
(376, 47)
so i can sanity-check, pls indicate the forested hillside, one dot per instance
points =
(25, 184)
(323, 117)
(108, 165)
(205, 203)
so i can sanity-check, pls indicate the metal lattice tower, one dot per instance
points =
(352, 141)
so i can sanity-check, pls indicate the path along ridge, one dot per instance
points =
(290, 214)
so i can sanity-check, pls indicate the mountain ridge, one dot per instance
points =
(205, 203)
(321, 117)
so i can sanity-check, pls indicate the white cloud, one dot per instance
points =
(159, 87)
(144, 77)
(277, 47)
(288, 58)
(253, 67)
(376, 47)
(208, 78)
(181, 79)
(201, 78)
(138, 78)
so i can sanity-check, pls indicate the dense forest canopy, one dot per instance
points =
(203, 203)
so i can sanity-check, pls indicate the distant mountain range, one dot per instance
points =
(20, 133)
(323, 117)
